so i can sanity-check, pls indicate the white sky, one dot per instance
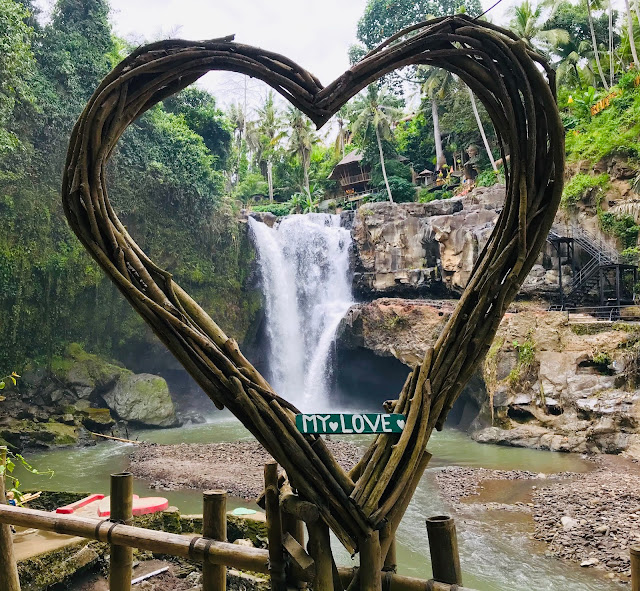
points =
(316, 34)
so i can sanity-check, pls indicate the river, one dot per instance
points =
(495, 549)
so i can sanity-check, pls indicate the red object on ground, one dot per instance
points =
(141, 506)
(73, 507)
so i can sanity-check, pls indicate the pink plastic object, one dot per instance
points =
(73, 507)
(141, 506)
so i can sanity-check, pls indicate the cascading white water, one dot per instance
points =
(304, 264)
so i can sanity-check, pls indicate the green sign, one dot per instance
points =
(350, 423)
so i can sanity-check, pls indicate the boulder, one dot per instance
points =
(143, 399)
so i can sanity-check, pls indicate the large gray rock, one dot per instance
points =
(143, 399)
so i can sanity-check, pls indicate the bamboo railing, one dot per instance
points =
(286, 560)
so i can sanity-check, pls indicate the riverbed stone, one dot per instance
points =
(143, 399)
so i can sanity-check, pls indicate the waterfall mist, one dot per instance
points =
(304, 266)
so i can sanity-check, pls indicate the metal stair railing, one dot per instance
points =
(600, 254)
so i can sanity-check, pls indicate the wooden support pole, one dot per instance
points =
(195, 548)
(214, 527)
(121, 509)
(370, 563)
(319, 547)
(274, 528)
(9, 580)
(390, 563)
(635, 568)
(443, 547)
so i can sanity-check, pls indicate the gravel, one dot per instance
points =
(236, 467)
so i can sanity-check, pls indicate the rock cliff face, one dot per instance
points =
(545, 383)
(429, 249)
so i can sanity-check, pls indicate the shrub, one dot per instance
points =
(622, 226)
(278, 209)
(403, 191)
(581, 184)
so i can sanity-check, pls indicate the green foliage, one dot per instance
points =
(613, 131)
(16, 63)
(490, 177)
(383, 18)
(526, 352)
(427, 196)
(252, 185)
(623, 226)
(279, 209)
(402, 190)
(581, 185)
(601, 358)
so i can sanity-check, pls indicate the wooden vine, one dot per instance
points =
(517, 88)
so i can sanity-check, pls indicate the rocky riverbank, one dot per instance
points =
(590, 518)
(235, 467)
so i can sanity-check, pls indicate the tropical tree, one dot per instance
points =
(301, 140)
(375, 112)
(632, 42)
(527, 23)
(595, 44)
(436, 87)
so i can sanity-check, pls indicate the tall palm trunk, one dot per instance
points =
(270, 179)
(610, 43)
(481, 128)
(632, 41)
(595, 46)
(441, 161)
(306, 164)
(384, 170)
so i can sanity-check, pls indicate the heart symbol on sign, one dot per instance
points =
(333, 425)
(400, 423)
(507, 76)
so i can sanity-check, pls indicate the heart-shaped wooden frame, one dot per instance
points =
(516, 86)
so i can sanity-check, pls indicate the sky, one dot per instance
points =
(316, 34)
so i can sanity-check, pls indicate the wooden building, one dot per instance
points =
(354, 176)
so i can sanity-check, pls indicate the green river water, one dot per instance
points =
(496, 551)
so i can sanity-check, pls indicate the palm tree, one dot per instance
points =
(526, 22)
(436, 87)
(263, 136)
(632, 41)
(375, 112)
(595, 44)
(301, 140)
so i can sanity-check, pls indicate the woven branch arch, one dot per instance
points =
(516, 86)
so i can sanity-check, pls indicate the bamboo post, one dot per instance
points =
(274, 528)
(9, 580)
(121, 511)
(319, 547)
(443, 547)
(635, 568)
(214, 527)
(370, 563)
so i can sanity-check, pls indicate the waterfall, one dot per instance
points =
(304, 265)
